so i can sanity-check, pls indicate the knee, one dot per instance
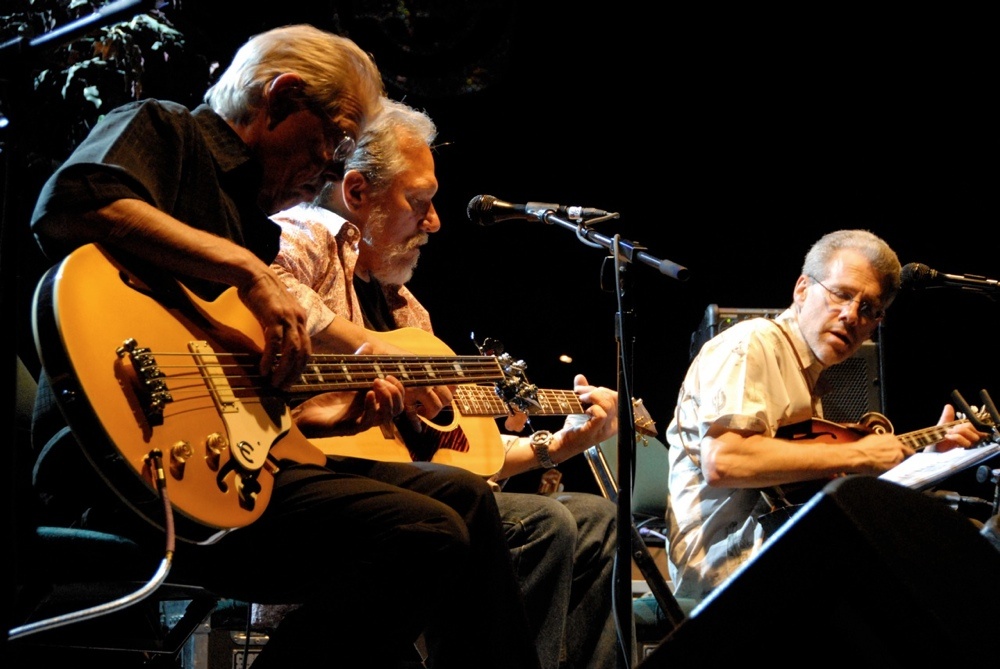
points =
(466, 490)
(433, 545)
(596, 521)
(544, 520)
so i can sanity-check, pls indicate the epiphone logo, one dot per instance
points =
(246, 449)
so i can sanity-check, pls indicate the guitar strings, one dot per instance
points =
(324, 372)
(485, 400)
(917, 439)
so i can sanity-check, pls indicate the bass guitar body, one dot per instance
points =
(158, 386)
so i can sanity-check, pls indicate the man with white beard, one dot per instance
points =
(347, 259)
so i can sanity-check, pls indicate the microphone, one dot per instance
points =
(917, 275)
(487, 210)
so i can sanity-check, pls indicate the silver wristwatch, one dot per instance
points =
(540, 442)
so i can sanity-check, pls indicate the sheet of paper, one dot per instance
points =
(924, 469)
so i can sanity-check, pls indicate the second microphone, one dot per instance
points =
(487, 210)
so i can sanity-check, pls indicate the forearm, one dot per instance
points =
(147, 233)
(732, 461)
(565, 444)
(520, 458)
(342, 336)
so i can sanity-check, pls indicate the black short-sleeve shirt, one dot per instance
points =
(189, 164)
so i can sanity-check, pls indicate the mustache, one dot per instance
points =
(416, 241)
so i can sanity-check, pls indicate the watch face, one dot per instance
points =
(540, 444)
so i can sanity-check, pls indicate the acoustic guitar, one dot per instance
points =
(162, 390)
(786, 499)
(464, 434)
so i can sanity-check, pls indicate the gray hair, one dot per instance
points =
(878, 253)
(378, 156)
(337, 74)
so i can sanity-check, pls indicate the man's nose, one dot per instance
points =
(851, 311)
(431, 222)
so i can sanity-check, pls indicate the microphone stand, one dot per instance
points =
(623, 252)
(22, 50)
(623, 249)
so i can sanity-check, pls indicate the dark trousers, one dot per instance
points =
(376, 553)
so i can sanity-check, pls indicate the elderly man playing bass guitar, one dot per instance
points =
(175, 203)
(729, 451)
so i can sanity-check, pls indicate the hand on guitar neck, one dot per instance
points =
(425, 401)
(594, 420)
(869, 447)
(958, 432)
(338, 414)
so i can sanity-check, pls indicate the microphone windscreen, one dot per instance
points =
(480, 209)
(913, 274)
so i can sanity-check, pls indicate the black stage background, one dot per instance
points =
(728, 142)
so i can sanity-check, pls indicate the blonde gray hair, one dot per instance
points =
(378, 156)
(337, 74)
(875, 249)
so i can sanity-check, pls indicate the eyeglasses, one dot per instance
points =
(343, 144)
(867, 311)
(344, 149)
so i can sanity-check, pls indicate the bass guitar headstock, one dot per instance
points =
(521, 395)
(514, 389)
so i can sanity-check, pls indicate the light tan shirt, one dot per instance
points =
(749, 378)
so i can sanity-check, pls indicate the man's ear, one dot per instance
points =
(355, 189)
(799, 292)
(282, 97)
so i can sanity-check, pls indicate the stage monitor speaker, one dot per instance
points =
(855, 386)
(869, 573)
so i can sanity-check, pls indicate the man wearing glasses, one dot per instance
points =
(727, 451)
(186, 195)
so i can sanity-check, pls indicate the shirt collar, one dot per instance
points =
(813, 367)
(227, 147)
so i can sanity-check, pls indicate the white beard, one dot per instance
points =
(394, 263)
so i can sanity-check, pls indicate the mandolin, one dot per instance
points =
(784, 500)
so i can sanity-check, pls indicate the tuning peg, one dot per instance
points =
(489, 346)
(493, 346)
